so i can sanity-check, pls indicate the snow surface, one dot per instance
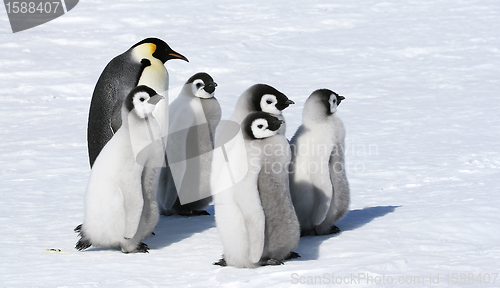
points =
(421, 81)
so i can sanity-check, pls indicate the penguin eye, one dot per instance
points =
(260, 126)
(142, 99)
(199, 85)
(269, 102)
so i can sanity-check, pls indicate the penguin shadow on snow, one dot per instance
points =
(354, 219)
(175, 228)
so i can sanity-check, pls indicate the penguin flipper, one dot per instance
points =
(133, 202)
(167, 193)
(341, 194)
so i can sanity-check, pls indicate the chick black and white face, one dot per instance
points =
(202, 85)
(261, 129)
(268, 104)
(200, 89)
(142, 104)
(267, 99)
(327, 99)
(259, 125)
(333, 103)
(142, 101)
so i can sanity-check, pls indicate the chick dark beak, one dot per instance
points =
(210, 87)
(275, 124)
(155, 99)
(340, 98)
(282, 106)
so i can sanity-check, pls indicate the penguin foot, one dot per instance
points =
(334, 230)
(78, 229)
(193, 213)
(142, 248)
(221, 262)
(292, 255)
(272, 262)
(308, 232)
(82, 244)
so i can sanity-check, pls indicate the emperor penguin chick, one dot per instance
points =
(120, 208)
(255, 217)
(261, 97)
(184, 187)
(318, 182)
(142, 64)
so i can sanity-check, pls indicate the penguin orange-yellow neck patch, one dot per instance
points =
(144, 51)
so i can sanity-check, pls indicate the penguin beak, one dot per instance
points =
(175, 55)
(275, 124)
(282, 106)
(210, 88)
(340, 98)
(155, 99)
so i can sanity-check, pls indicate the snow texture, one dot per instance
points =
(421, 115)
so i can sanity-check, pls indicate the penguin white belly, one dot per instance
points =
(240, 219)
(105, 221)
(232, 230)
(341, 196)
(311, 186)
(155, 76)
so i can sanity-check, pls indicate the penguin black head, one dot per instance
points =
(268, 99)
(161, 50)
(203, 85)
(259, 125)
(143, 99)
(329, 99)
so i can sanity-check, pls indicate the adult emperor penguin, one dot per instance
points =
(120, 208)
(318, 183)
(255, 217)
(142, 64)
(184, 187)
(261, 97)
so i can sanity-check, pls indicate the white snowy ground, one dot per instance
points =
(421, 81)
